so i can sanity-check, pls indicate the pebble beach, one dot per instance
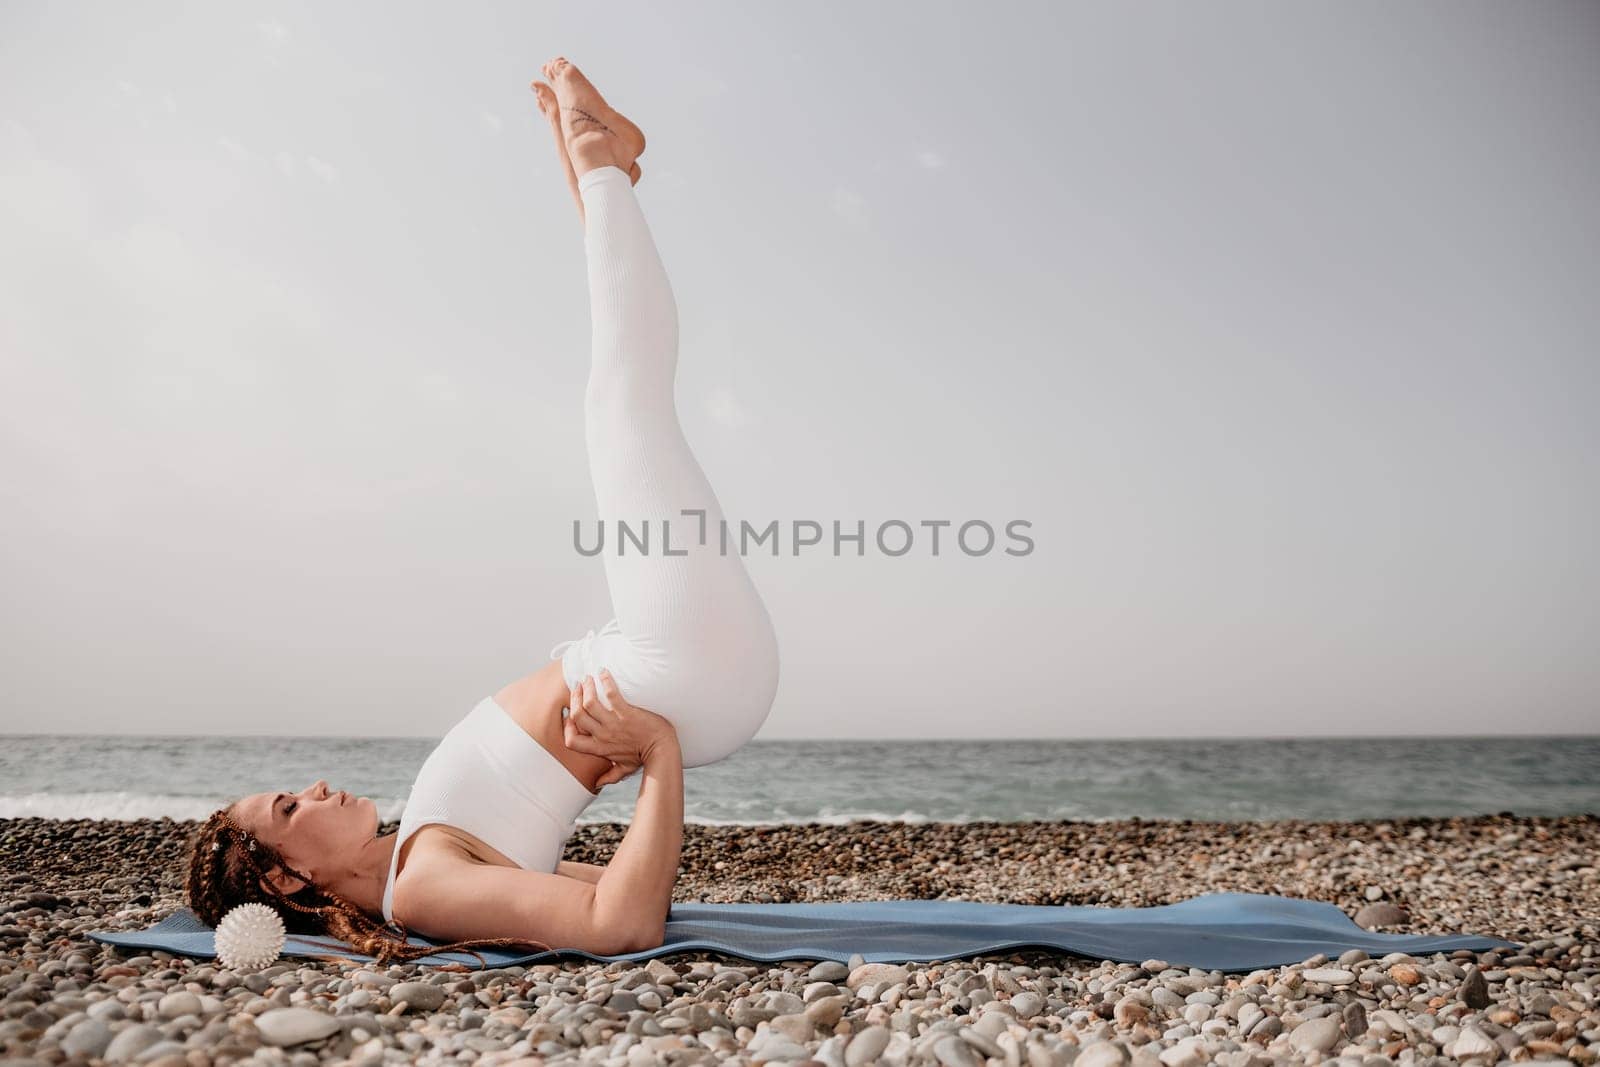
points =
(65, 999)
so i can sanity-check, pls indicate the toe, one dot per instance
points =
(572, 74)
(560, 73)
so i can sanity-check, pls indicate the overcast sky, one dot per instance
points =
(1277, 322)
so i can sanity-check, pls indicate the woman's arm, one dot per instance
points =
(623, 910)
(449, 898)
(634, 891)
(586, 872)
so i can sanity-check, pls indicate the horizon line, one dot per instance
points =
(1520, 735)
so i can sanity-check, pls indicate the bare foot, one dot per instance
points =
(546, 98)
(596, 134)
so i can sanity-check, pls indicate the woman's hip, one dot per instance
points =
(716, 687)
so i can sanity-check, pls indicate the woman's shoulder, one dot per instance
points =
(432, 852)
(440, 846)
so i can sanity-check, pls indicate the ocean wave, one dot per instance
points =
(828, 818)
(130, 806)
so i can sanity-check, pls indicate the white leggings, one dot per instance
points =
(691, 639)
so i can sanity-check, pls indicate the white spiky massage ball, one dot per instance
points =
(249, 937)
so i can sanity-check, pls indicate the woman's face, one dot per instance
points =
(315, 830)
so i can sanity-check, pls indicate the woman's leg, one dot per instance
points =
(693, 641)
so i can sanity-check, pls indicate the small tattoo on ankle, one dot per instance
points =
(585, 116)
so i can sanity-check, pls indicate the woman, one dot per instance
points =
(477, 857)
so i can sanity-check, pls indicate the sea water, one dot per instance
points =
(836, 781)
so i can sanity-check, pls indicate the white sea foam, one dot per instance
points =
(827, 818)
(136, 806)
(128, 806)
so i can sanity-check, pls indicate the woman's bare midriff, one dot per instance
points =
(534, 703)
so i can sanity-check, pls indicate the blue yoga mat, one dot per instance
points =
(1213, 931)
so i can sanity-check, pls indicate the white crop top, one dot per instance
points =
(488, 777)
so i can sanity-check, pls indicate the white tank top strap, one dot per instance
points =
(400, 835)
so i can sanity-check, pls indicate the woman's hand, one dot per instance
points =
(619, 732)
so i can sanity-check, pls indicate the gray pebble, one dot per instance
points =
(882, 975)
(162, 1053)
(1474, 990)
(785, 1003)
(1380, 914)
(778, 1047)
(1102, 1054)
(422, 996)
(829, 971)
(952, 1051)
(1330, 975)
(1027, 1004)
(831, 1052)
(87, 1038)
(1315, 1035)
(295, 1026)
(866, 1046)
(131, 1041)
(178, 1004)
(1183, 1054)
(1163, 997)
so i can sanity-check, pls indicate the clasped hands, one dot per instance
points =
(602, 723)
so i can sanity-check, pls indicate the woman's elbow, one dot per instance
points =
(616, 938)
(645, 940)
(618, 929)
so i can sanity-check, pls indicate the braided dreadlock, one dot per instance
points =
(228, 865)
